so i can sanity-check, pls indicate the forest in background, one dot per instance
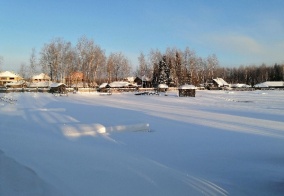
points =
(174, 67)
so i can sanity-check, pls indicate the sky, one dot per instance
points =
(242, 32)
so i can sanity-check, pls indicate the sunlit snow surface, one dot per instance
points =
(217, 143)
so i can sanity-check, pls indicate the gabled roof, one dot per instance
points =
(41, 76)
(221, 82)
(9, 74)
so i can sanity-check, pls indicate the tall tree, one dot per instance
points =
(118, 67)
(23, 71)
(164, 72)
(90, 57)
(33, 64)
(143, 68)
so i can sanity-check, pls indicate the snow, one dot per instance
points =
(216, 143)
(221, 82)
(187, 86)
(41, 84)
(119, 84)
(270, 84)
(41, 76)
(8, 74)
(56, 84)
(163, 86)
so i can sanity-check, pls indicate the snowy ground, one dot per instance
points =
(218, 143)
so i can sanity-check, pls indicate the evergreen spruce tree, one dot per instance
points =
(164, 72)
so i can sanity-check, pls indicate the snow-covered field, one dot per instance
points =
(217, 143)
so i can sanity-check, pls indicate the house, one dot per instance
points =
(9, 77)
(40, 78)
(220, 82)
(186, 91)
(146, 82)
(40, 81)
(270, 84)
(16, 84)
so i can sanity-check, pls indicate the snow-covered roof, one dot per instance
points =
(187, 86)
(119, 84)
(268, 84)
(15, 83)
(103, 85)
(130, 79)
(39, 84)
(163, 86)
(56, 85)
(221, 82)
(41, 76)
(240, 85)
(8, 74)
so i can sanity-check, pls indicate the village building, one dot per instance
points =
(58, 88)
(220, 83)
(270, 85)
(162, 88)
(186, 91)
(146, 82)
(9, 77)
(40, 81)
(41, 78)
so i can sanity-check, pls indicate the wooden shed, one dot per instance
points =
(186, 90)
(59, 88)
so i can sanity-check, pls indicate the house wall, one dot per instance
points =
(5, 79)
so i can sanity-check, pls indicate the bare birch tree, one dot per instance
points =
(33, 64)
(90, 57)
(118, 67)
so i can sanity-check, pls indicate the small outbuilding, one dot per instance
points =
(162, 88)
(186, 91)
(59, 88)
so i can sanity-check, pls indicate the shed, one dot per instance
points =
(162, 88)
(104, 87)
(59, 88)
(186, 90)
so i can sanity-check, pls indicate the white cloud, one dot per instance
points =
(240, 44)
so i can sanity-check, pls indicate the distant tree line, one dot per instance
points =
(59, 59)
(252, 74)
(174, 67)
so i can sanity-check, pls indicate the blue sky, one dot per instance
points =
(242, 32)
